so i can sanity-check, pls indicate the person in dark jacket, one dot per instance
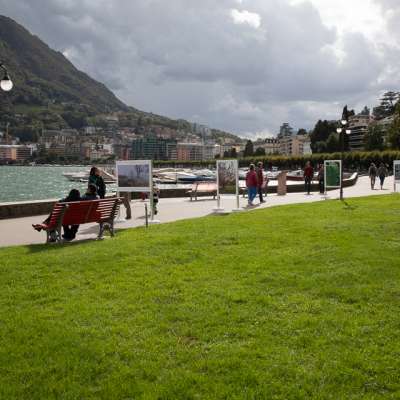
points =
(372, 171)
(251, 183)
(69, 230)
(96, 179)
(260, 181)
(382, 173)
(308, 176)
(91, 193)
(321, 178)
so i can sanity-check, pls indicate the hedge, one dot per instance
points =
(355, 161)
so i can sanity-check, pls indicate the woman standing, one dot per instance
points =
(251, 183)
(382, 173)
(372, 171)
(308, 176)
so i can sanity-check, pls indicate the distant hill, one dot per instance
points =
(42, 75)
(49, 92)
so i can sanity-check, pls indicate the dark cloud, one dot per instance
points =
(246, 71)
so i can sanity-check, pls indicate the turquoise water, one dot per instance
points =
(37, 183)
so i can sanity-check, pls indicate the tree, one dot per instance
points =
(394, 130)
(320, 147)
(248, 149)
(333, 143)
(387, 105)
(302, 132)
(259, 151)
(373, 139)
(320, 133)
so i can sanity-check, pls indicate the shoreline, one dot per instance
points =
(29, 208)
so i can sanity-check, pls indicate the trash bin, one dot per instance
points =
(281, 191)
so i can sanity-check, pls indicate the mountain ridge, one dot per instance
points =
(50, 92)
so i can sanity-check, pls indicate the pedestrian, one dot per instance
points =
(382, 173)
(308, 176)
(126, 201)
(156, 196)
(260, 181)
(372, 171)
(251, 183)
(321, 178)
(96, 179)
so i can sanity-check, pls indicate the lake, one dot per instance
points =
(38, 182)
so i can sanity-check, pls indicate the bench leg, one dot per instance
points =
(101, 230)
(106, 225)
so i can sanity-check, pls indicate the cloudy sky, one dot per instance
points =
(245, 66)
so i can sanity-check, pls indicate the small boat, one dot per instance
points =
(83, 176)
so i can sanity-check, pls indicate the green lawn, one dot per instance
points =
(293, 302)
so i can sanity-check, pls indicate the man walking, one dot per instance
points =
(260, 181)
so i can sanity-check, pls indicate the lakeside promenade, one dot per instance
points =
(19, 231)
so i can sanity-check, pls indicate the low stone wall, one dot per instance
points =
(26, 208)
(42, 207)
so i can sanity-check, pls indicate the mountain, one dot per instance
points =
(49, 92)
(42, 75)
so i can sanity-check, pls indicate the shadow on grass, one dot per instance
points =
(52, 247)
(348, 206)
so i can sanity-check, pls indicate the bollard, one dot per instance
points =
(146, 216)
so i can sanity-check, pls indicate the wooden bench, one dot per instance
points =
(202, 188)
(101, 211)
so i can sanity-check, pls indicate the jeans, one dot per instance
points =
(307, 182)
(252, 193)
(260, 194)
(321, 186)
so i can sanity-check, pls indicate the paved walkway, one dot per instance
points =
(19, 231)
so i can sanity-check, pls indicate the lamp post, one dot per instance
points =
(341, 131)
(5, 83)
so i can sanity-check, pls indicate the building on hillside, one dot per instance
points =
(152, 147)
(14, 152)
(270, 145)
(189, 151)
(294, 145)
(122, 151)
(358, 125)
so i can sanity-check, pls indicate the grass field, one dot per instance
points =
(292, 302)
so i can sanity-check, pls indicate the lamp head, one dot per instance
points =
(6, 83)
(339, 130)
(348, 131)
(343, 122)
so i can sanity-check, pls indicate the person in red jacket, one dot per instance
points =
(308, 176)
(260, 181)
(251, 183)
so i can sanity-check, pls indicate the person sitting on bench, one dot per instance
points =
(69, 231)
(91, 193)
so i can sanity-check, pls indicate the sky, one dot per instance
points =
(245, 66)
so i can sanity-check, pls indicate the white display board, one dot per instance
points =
(227, 182)
(227, 177)
(134, 175)
(396, 173)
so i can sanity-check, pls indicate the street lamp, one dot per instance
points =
(5, 83)
(341, 131)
